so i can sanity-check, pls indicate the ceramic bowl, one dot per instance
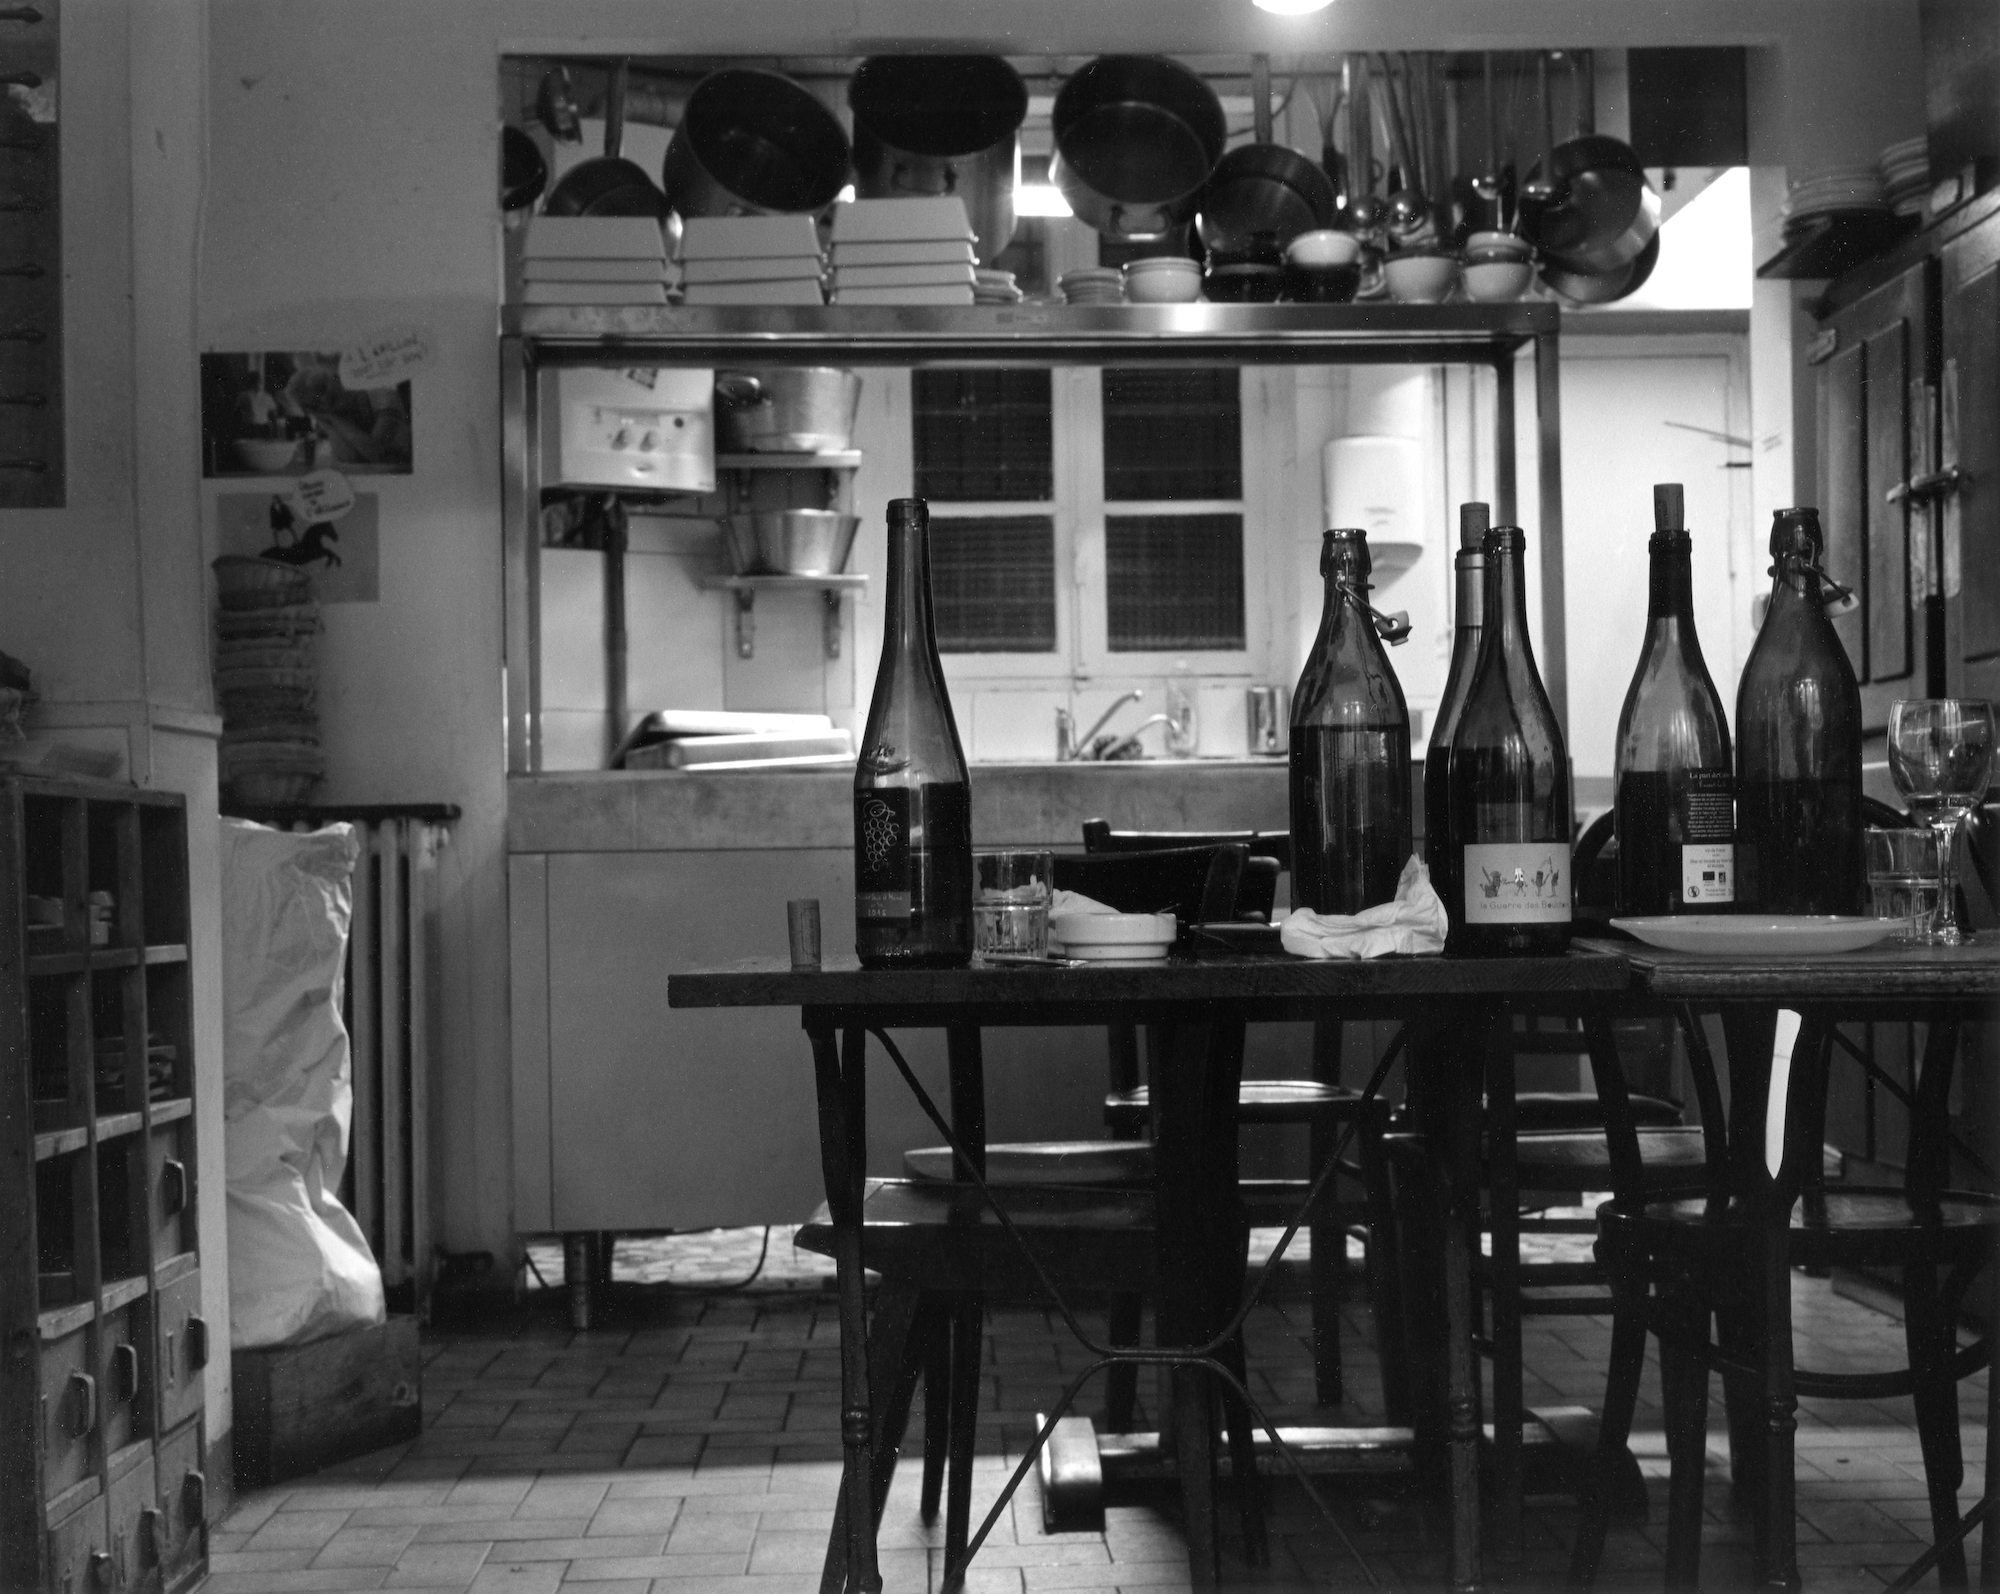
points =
(1165, 279)
(1497, 281)
(1324, 246)
(1506, 243)
(1421, 279)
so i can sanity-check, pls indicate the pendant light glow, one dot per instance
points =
(1292, 8)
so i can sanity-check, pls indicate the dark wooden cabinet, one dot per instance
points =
(1968, 504)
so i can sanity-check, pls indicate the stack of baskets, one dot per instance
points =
(266, 682)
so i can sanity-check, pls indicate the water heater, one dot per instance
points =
(652, 427)
(1376, 483)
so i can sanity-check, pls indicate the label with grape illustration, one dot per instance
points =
(882, 853)
(1517, 882)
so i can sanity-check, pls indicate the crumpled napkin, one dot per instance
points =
(1415, 922)
(1075, 902)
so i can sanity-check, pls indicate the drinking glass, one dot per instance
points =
(1902, 867)
(1011, 892)
(1941, 756)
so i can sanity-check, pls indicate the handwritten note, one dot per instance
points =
(320, 495)
(385, 358)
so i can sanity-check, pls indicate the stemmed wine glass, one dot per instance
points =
(1941, 755)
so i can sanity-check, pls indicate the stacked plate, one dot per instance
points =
(994, 287)
(267, 683)
(751, 260)
(1906, 175)
(903, 251)
(594, 260)
(1092, 285)
(1846, 190)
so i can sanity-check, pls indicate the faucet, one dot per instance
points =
(1070, 747)
(1124, 747)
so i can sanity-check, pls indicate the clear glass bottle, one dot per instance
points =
(1468, 619)
(912, 791)
(1673, 777)
(1798, 743)
(1350, 752)
(1510, 820)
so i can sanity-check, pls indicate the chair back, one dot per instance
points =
(1098, 836)
(1198, 885)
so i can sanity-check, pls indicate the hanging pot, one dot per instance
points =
(797, 410)
(942, 124)
(754, 143)
(1580, 286)
(523, 172)
(1263, 194)
(608, 184)
(1605, 211)
(1136, 137)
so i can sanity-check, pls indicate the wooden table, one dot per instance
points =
(1942, 987)
(1455, 1011)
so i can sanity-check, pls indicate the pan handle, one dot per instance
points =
(1126, 222)
(614, 109)
(907, 179)
(739, 389)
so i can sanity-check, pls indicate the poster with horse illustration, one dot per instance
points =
(341, 548)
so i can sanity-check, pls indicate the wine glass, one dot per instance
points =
(1941, 755)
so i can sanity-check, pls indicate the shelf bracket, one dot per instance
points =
(746, 623)
(832, 599)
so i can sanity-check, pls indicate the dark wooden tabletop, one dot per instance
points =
(1969, 973)
(1225, 978)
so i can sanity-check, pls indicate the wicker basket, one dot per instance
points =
(244, 582)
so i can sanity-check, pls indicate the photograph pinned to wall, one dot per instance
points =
(318, 523)
(286, 413)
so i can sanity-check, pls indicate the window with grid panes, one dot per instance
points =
(1162, 464)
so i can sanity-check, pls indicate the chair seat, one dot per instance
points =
(1858, 1227)
(1258, 1101)
(1036, 1162)
(1536, 1111)
(1573, 1164)
(941, 1238)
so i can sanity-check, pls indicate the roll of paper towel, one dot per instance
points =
(1374, 483)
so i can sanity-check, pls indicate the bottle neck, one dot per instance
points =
(1506, 609)
(1670, 592)
(1470, 613)
(909, 630)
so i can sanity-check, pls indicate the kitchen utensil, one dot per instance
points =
(942, 124)
(1584, 287)
(806, 409)
(523, 171)
(1136, 137)
(1605, 210)
(1113, 937)
(1420, 277)
(1162, 279)
(791, 542)
(1496, 281)
(1758, 935)
(754, 143)
(608, 184)
(1324, 247)
(555, 104)
(802, 930)
(1268, 718)
(1263, 192)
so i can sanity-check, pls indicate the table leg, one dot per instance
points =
(840, 1076)
(968, 1123)
(1748, 1033)
(1505, 1290)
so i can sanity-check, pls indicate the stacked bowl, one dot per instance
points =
(1092, 285)
(990, 286)
(267, 682)
(1906, 175)
(1162, 279)
(1498, 267)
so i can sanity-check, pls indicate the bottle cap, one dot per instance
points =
(1796, 532)
(1669, 507)
(1473, 521)
(1345, 548)
(1506, 539)
(913, 512)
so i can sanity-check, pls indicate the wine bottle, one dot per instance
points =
(1798, 743)
(1509, 817)
(912, 793)
(1467, 620)
(1674, 780)
(1350, 754)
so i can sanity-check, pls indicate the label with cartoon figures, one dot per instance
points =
(1517, 882)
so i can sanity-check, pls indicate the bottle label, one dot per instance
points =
(1708, 833)
(1708, 873)
(882, 853)
(1517, 882)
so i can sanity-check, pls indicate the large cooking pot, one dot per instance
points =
(1261, 195)
(941, 124)
(608, 184)
(796, 410)
(754, 143)
(1135, 139)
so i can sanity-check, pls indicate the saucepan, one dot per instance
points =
(754, 143)
(1136, 137)
(798, 410)
(791, 542)
(1263, 194)
(608, 184)
(942, 124)
(1604, 212)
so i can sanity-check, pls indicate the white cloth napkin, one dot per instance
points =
(1415, 922)
(1076, 902)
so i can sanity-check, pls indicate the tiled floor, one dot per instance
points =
(690, 1448)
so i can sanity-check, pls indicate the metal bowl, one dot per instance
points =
(791, 542)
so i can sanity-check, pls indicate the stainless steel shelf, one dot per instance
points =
(842, 459)
(1032, 334)
(746, 589)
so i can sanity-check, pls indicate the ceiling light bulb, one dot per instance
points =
(1292, 8)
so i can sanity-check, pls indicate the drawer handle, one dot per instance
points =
(125, 1367)
(100, 1569)
(197, 1335)
(86, 1392)
(194, 1497)
(1934, 484)
(173, 1187)
(172, 1375)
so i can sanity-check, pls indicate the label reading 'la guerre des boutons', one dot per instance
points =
(1517, 882)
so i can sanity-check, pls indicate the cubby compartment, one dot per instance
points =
(42, 828)
(112, 876)
(124, 1220)
(169, 1058)
(117, 1019)
(58, 1204)
(49, 1019)
(163, 876)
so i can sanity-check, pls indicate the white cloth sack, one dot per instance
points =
(1415, 922)
(299, 1267)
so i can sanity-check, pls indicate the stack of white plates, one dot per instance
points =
(1906, 174)
(1092, 285)
(903, 251)
(994, 287)
(751, 260)
(1844, 190)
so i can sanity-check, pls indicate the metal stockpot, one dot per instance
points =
(1136, 137)
(796, 410)
(1263, 195)
(942, 124)
(754, 144)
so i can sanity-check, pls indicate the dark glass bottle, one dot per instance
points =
(912, 794)
(1467, 620)
(1350, 757)
(1675, 781)
(1798, 743)
(1510, 822)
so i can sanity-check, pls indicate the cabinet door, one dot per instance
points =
(80, 1552)
(1871, 426)
(133, 1510)
(1969, 304)
(183, 1503)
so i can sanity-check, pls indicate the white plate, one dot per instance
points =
(1111, 954)
(1739, 935)
(1130, 930)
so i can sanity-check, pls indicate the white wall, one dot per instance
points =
(353, 150)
